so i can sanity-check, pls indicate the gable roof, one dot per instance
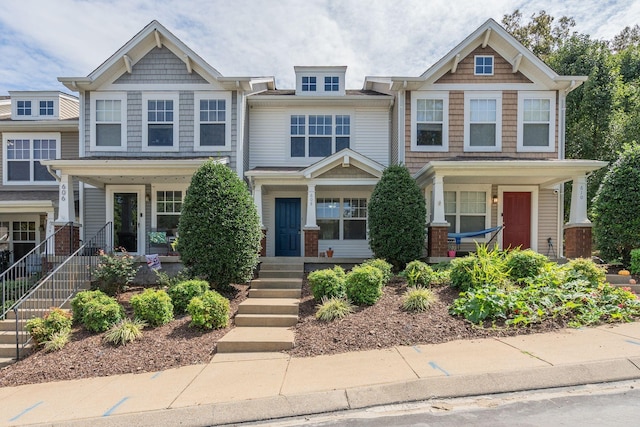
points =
(493, 34)
(151, 36)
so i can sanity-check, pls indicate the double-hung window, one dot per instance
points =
(466, 210)
(342, 218)
(160, 121)
(46, 108)
(483, 65)
(108, 127)
(23, 108)
(536, 121)
(212, 121)
(331, 84)
(22, 154)
(429, 124)
(167, 207)
(343, 132)
(483, 121)
(319, 135)
(309, 84)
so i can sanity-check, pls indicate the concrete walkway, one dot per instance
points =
(247, 387)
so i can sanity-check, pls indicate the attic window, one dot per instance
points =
(46, 108)
(24, 108)
(308, 84)
(483, 65)
(331, 84)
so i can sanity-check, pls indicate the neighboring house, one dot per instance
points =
(483, 133)
(34, 126)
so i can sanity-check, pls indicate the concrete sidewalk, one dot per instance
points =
(248, 387)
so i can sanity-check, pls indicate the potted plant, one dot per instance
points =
(330, 253)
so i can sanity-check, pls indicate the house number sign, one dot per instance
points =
(63, 192)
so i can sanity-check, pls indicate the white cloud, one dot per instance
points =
(42, 40)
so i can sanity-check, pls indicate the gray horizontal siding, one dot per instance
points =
(160, 65)
(94, 211)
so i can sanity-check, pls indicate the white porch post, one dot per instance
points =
(66, 208)
(437, 201)
(311, 206)
(578, 214)
(257, 199)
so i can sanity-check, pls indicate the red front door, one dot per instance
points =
(516, 217)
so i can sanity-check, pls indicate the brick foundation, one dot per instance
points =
(577, 241)
(263, 243)
(437, 244)
(311, 242)
(67, 241)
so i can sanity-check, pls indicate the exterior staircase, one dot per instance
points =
(264, 320)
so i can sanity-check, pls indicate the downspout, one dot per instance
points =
(401, 122)
(81, 150)
(562, 97)
(239, 131)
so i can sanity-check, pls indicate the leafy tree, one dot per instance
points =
(397, 218)
(627, 37)
(219, 227)
(616, 206)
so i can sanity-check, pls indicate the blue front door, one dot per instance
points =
(287, 227)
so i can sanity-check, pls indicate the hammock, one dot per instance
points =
(459, 236)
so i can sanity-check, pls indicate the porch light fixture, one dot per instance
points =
(494, 199)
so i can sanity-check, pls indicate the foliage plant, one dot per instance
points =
(182, 292)
(480, 303)
(616, 206)
(219, 227)
(484, 267)
(334, 308)
(81, 299)
(99, 314)
(418, 299)
(114, 271)
(418, 273)
(523, 264)
(209, 311)
(382, 265)
(165, 280)
(43, 329)
(57, 340)
(634, 265)
(328, 283)
(581, 268)
(397, 217)
(125, 332)
(153, 306)
(364, 285)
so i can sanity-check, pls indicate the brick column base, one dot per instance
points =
(67, 240)
(263, 243)
(577, 241)
(438, 243)
(311, 242)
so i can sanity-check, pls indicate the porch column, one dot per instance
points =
(66, 209)
(438, 227)
(577, 232)
(67, 240)
(311, 229)
(257, 199)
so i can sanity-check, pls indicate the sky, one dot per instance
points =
(41, 40)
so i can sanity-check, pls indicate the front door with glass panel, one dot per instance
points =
(125, 208)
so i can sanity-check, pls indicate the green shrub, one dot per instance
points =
(418, 273)
(81, 299)
(327, 283)
(524, 264)
(582, 268)
(125, 331)
(209, 311)
(57, 340)
(163, 279)
(100, 313)
(478, 304)
(397, 217)
(114, 272)
(334, 308)
(364, 285)
(43, 329)
(634, 267)
(181, 293)
(219, 227)
(153, 306)
(418, 299)
(383, 266)
(484, 267)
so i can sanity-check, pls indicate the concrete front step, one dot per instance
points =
(10, 325)
(282, 266)
(9, 337)
(248, 339)
(275, 293)
(276, 283)
(39, 303)
(269, 306)
(266, 274)
(8, 350)
(6, 361)
(265, 320)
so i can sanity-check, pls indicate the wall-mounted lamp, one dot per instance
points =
(494, 199)
(147, 197)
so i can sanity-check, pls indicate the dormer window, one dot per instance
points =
(46, 108)
(308, 84)
(483, 65)
(24, 108)
(331, 84)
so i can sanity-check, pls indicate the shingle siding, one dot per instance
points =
(502, 72)
(160, 65)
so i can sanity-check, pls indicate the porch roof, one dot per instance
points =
(544, 173)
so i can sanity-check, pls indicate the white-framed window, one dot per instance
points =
(167, 200)
(331, 83)
(22, 154)
(108, 127)
(430, 121)
(212, 121)
(483, 121)
(536, 121)
(160, 118)
(467, 208)
(46, 108)
(23, 108)
(319, 135)
(342, 218)
(309, 84)
(483, 65)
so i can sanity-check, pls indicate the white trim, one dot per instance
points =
(468, 96)
(197, 97)
(485, 86)
(140, 191)
(534, 210)
(29, 136)
(419, 95)
(400, 132)
(493, 61)
(164, 96)
(159, 87)
(154, 198)
(457, 188)
(551, 97)
(106, 96)
(35, 99)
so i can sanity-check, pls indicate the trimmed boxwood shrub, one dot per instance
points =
(364, 285)
(328, 283)
(209, 311)
(418, 273)
(82, 298)
(153, 306)
(182, 292)
(383, 266)
(524, 264)
(100, 314)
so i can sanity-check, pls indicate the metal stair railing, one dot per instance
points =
(17, 280)
(57, 287)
